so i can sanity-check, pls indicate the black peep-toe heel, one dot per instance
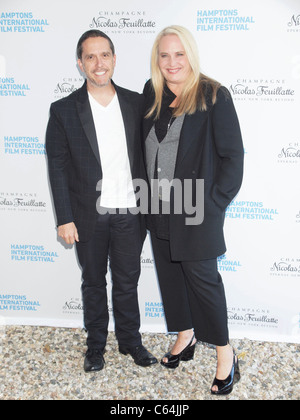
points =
(185, 356)
(225, 386)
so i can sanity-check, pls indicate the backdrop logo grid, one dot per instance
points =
(251, 47)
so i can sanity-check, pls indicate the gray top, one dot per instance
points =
(165, 152)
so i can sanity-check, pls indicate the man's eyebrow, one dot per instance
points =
(102, 52)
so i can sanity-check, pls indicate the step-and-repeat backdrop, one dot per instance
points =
(253, 48)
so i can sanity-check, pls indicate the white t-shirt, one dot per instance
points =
(117, 187)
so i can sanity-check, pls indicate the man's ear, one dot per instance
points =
(79, 62)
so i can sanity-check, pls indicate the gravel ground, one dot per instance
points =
(38, 363)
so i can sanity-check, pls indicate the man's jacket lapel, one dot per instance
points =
(86, 118)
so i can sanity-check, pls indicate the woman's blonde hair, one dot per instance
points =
(193, 96)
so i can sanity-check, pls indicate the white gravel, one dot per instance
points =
(38, 363)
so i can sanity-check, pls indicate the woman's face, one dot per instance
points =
(173, 61)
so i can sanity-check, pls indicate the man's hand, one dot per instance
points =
(68, 233)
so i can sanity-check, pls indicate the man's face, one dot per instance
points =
(97, 61)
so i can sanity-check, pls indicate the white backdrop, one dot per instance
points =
(253, 48)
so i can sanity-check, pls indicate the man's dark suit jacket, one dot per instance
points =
(74, 160)
(211, 149)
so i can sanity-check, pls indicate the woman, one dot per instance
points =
(191, 133)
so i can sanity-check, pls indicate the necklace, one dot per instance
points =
(170, 122)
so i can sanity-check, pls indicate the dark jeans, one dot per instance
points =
(117, 239)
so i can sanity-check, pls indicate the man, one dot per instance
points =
(93, 143)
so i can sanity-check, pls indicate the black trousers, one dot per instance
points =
(117, 238)
(193, 295)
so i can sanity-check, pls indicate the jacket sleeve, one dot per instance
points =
(229, 147)
(58, 162)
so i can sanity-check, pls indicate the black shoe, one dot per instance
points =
(225, 386)
(140, 355)
(185, 356)
(93, 361)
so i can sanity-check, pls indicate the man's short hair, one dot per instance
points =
(94, 33)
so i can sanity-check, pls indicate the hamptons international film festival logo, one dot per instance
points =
(11, 87)
(21, 202)
(32, 254)
(17, 303)
(154, 310)
(262, 90)
(251, 210)
(123, 21)
(223, 20)
(226, 264)
(22, 22)
(23, 146)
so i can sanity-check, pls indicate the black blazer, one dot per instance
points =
(74, 160)
(210, 148)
